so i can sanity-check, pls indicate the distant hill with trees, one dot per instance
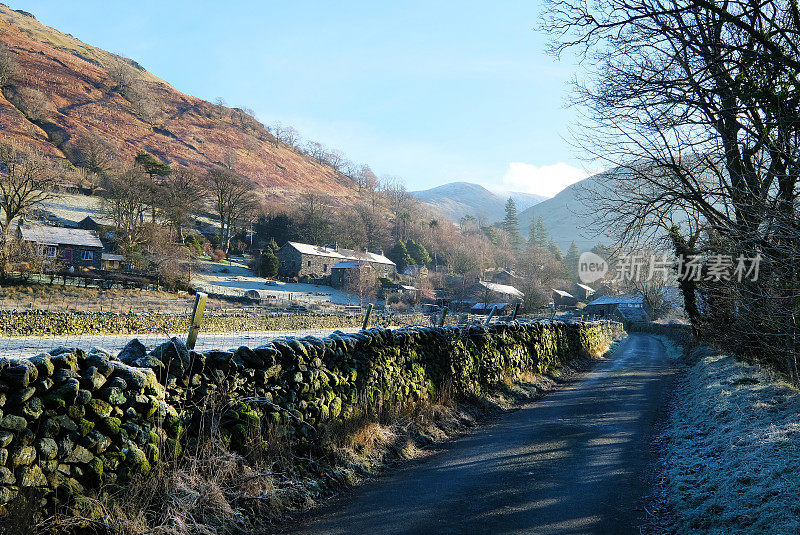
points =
(458, 199)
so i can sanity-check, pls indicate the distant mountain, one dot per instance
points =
(457, 199)
(565, 216)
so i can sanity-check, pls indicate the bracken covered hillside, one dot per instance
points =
(65, 97)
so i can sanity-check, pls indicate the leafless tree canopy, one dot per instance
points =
(26, 179)
(694, 105)
(233, 198)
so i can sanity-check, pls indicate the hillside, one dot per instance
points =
(70, 99)
(457, 199)
(564, 216)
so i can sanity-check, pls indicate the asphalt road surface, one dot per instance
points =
(22, 346)
(573, 462)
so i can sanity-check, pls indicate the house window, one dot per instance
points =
(386, 268)
(87, 255)
(50, 251)
(309, 263)
(324, 268)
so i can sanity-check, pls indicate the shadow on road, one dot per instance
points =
(572, 462)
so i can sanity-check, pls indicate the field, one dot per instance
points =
(235, 279)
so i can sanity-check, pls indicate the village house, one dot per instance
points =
(312, 261)
(583, 292)
(487, 293)
(71, 247)
(562, 298)
(629, 308)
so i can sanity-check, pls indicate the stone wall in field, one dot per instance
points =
(48, 323)
(71, 420)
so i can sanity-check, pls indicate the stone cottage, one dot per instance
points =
(72, 247)
(316, 262)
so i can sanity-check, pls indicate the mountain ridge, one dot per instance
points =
(458, 199)
(63, 91)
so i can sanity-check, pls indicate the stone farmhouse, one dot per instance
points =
(312, 261)
(71, 247)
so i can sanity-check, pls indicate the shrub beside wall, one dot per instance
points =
(71, 421)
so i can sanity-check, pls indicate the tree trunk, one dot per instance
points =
(688, 287)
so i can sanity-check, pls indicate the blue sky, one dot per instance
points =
(431, 92)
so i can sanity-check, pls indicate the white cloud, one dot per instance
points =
(541, 180)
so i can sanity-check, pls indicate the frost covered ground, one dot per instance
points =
(732, 450)
(236, 279)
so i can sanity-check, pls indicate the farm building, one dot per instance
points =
(347, 271)
(562, 298)
(481, 291)
(630, 307)
(583, 292)
(111, 262)
(69, 246)
(304, 260)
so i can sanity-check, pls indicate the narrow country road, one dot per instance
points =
(573, 462)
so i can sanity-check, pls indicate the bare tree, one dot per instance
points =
(26, 179)
(232, 196)
(694, 104)
(315, 149)
(182, 196)
(126, 197)
(284, 133)
(335, 159)
(8, 66)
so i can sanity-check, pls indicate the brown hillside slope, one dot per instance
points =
(63, 89)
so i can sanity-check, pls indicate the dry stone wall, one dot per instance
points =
(46, 323)
(72, 420)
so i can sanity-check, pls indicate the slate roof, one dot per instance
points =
(562, 293)
(45, 235)
(341, 254)
(504, 289)
(628, 299)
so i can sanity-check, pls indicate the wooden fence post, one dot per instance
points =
(491, 315)
(366, 317)
(197, 319)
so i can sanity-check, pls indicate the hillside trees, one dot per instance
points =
(8, 66)
(695, 104)
(94, 154)
(314, 218)
(26, 179)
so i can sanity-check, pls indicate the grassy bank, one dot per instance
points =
(730, 451)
